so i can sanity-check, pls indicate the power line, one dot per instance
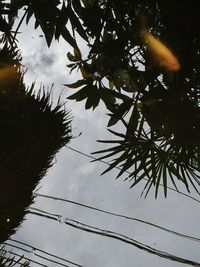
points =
(40, 250)
(23, 249)
(110, 234)
(23, 257)
(121, 216)
(34, 249)
(8, 258)
(115, 167)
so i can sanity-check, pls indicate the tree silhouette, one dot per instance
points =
(159, 108)
(31, 134)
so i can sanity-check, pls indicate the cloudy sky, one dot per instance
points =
(75, 177)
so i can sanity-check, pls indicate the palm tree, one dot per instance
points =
(32, 132)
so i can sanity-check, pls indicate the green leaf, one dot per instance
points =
(71, 57)
(77, 53)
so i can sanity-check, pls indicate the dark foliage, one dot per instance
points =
(31, 134)
(159, 108)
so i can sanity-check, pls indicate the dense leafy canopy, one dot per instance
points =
(159, 109)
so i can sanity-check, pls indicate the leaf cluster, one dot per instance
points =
(159, 109)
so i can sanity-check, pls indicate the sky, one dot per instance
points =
(74, 177)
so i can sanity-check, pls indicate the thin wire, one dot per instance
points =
(7, 258)
(196, 239)
(23, 257)
(43, 251)
(7, 244)
(115, 167)
(38, 255)
(113, 235)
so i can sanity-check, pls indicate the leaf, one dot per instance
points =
(117, 134)
(81, 94)
(48, 32)
(67, 36)
(77, 53)
(107, 97)
(76, 84)
(71, 57)
(61, 21)
(73, 68)
(133, 121)
(4, 26)
(119, 113)
(116, 162)
(127, 165)
(77, 6)
(88, 3)
(85, 73)
(30, 12)
(71, 65)
(96, 100)
(93, 98)
(111, 84)
(113, 120)
(158, 180)
(165, 180)
(77, 25)
(142, 176)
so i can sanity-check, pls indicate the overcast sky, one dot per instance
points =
(74, 177)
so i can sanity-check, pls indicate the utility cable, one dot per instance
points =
(33, 251)
(115, 167)
(22, 257)
(110, 234)
(121, 216)
(43, 251)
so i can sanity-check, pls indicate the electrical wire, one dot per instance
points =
(121, 216)
(23, 257)
(115, 167)
(111, 234)
(40, 250)
(11, 260)
(34, 249)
